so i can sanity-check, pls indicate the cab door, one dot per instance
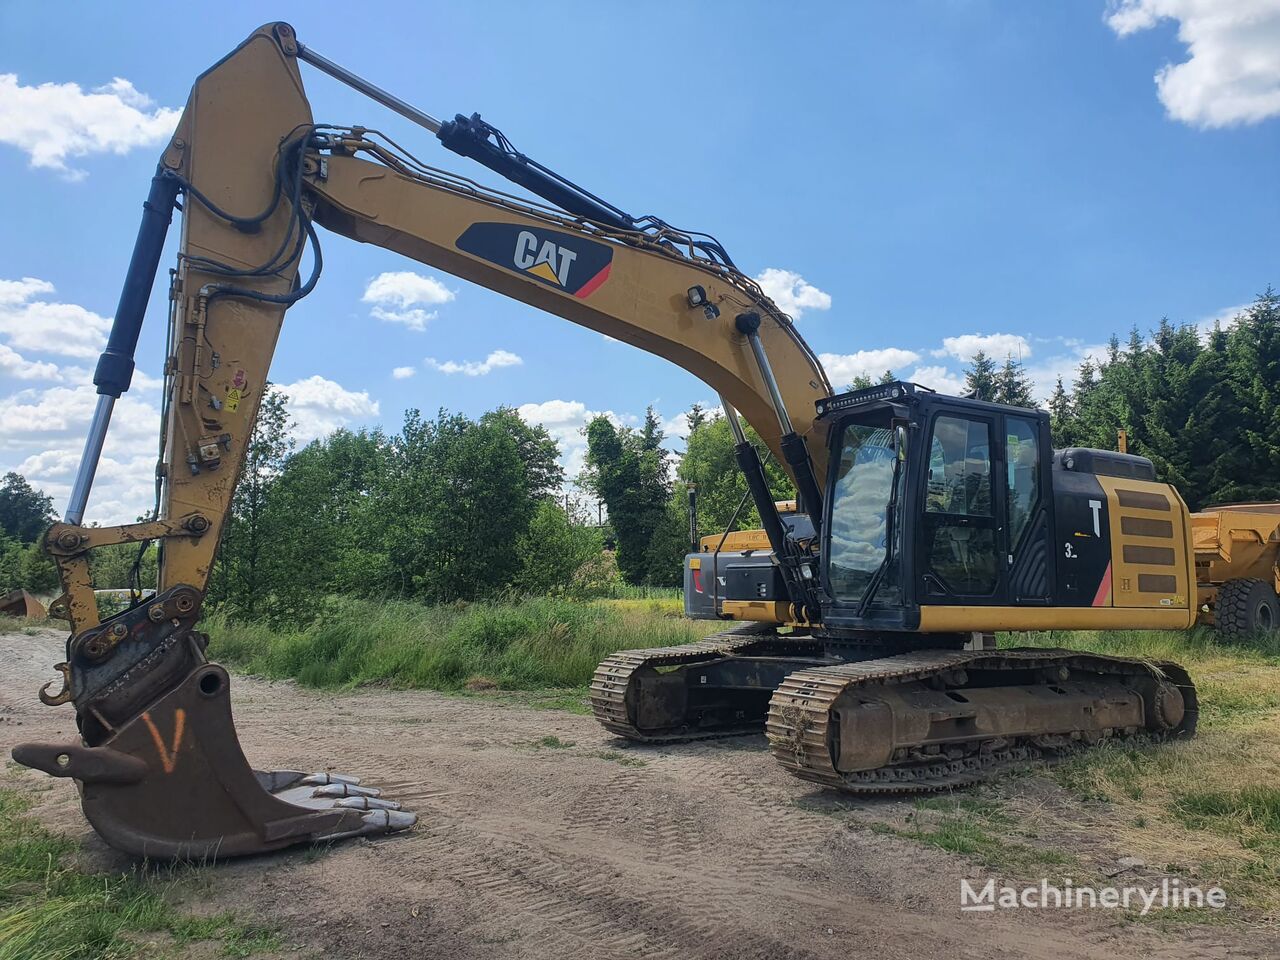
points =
(1028, 506)
(962, 543)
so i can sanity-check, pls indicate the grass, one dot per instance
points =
(628, 591)
(28, 628)
(1207, 808)
(553, 742)
(50, 910)
(531, 645)
(974, 826)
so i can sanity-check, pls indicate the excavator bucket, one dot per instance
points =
(168, 778)
(19, 603)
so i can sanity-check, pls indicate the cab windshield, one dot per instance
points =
(860, 531)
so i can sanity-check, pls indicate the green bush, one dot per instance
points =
(524, 645)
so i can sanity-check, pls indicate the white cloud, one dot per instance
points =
(403, 373)
(791, 292)
(19, 291)
(565, 420)
(937, 378)
(1045, 372)
(1225, 318)
(402, 296)
(13, 364)
(997, 345)
(319, 406)
(42, 435)
(1232, 73)
(476, 368)
(40, 326)
(53, 122)
(42, 428)
(843, 368)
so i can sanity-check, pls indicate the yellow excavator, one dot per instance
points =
(923, 522)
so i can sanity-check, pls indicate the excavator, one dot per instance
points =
(922, 522)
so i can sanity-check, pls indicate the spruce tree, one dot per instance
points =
(695, 418)
(1012, 385)
(980, 377)
(1062, 417)
(1250, 469)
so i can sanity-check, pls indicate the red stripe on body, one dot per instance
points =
(593, 284)
(1103, 597)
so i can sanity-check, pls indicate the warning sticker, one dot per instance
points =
(233, 399)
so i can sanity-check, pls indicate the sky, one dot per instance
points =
(912, 181)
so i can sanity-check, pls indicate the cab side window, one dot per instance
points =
(1023, 490)
(960, 528)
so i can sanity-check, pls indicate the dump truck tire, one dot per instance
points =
(1246, 607)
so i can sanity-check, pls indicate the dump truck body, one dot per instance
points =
(1236, 545)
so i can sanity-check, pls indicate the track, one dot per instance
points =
(800, 714)
(616, 675)
(700, 851)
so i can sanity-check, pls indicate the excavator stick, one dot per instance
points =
(159, 766)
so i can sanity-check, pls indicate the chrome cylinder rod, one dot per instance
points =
(370, 90)
(749, 326)
(794, 449)
(734, 424)
(89, 460)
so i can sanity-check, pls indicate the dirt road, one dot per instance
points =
(584, 850)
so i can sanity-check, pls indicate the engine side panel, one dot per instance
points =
(1082, 541)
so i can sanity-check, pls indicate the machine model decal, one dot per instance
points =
(562, 260)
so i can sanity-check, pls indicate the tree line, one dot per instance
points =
(1205, 410)
(451, 508)
(448, 508)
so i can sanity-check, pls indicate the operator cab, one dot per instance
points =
(932, 500)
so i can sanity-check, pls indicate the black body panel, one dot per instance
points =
(1082, 538)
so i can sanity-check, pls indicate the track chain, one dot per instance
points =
(614, 675)
(800, 713)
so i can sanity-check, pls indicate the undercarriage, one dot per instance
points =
(848, 717)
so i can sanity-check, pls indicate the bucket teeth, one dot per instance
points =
(367, 803)
(377, 821)
(346, 790)
(322, 779)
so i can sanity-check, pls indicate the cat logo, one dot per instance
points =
(549, 262)
(565, 261)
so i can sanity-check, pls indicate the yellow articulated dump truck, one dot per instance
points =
(1237, 550)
